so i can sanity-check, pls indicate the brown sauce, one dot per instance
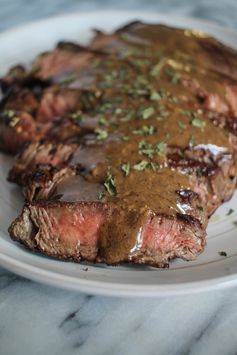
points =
(144, 110)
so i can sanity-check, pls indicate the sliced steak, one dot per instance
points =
(16, 129)
(37, 154)
(76, 230)
(142, 146)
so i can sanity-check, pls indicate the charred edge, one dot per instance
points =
(75, 47)
(186, 218)
(6, 93)
(130, 26)
(71, 47)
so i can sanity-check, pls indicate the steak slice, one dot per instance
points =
(16, 129)
(214, 180)
(36, 155)
(44, 180)
(76, 230)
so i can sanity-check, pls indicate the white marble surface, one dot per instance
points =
(41, 320)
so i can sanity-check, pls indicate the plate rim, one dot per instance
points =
(52, 278)
(135, 13)
(101, 288)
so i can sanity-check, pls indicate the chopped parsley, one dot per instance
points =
(230, 211)
(68, 79)
(125, 36)
(198, 123)
(103, 121)
(149, 150)
(163, 113)
(11, 117)
(192, 141)
(118, 111)
(173, 75)
(101, 195)
(145, 130)
(222, 253)
(128, 116)
(76, 116)
(146, 149)
(112, 75)
(175, 78)
(101, 134)
(141, 165)
(187, 113)
(9, 113)
(161, 148)
(173, 99)
(110, 184)
(182, 125)
(154, 166)
(200, 208)
(147, 112)
(125, 169)
(156, 69)
(155, 96)
(104, 107)
(125, 138)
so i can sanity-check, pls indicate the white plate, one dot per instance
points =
(209, 271)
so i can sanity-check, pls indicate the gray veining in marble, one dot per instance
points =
(41, 320)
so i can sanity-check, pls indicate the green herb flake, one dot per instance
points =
(101, 134)
(154, 166)
(101, 195)
(222, 253)
(125, 169)
(200, 208)
(103, 121)
(173, 75)
(192, 141)
(182, 125)
(161, 148)
(104, 107)
(141, 165)
(175, 78)
(125, 118)
(163, 113)
(174, 99)
(145, 130)
(128, 116)
(110, 184)
(9, 113)
(125, 138)
(118, 111)
(156, 69)
(111, 76)
(187, 113)
(68, 79)
(11, 117)
(147, 112)
(146, 149)
(125, 36)
(77, 117)
(155, 96)
(198, 123)
(230, 211)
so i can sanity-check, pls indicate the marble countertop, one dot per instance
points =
(39, 320)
